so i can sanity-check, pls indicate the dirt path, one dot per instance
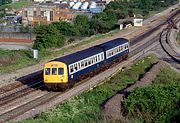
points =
(113, 108)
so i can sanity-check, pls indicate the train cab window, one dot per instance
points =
(54, 71)
(60, 71)
(47, 71)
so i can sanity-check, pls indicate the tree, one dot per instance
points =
(48, 37)
(81, 20)
(103, 22)
(65, 28)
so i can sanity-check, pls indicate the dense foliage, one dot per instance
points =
(154, 103)
(2, 2)
(104, 22)
(159, 102)
(48, 36)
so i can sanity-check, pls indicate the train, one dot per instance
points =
(64, 72)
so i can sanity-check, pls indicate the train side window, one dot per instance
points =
(71, 68)
(102, 56)
(75, 67)
(60, 71)
(89, 61)
(79, 65)
(121, 48)
(47, 71)
(82, 64)
(96, 58)
(54, 71)
(86, 63)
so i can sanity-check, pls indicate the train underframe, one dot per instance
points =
(63, 87)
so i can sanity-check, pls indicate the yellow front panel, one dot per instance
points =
(56, 78)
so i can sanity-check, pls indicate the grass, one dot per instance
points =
(18, 5)
(86, 107)
(167, 76)
(10, 60)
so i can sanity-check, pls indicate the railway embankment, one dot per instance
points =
(86, 106)
(113, 107)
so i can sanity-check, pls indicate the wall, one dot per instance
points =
(25, 36)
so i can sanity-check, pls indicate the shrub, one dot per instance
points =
(154, 103)
(47, 37)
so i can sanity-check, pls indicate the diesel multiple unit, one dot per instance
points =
(64, 70)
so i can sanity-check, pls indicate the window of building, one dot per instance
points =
(51, 15)
(35, 13)
(54, 71)
(25, 14)
(60, 71)
(42, 13)
(47, 71)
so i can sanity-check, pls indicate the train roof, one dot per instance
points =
(77, 56)
(113, 43)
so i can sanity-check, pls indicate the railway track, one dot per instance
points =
(16, 111)
(166, 45)
(6, 116)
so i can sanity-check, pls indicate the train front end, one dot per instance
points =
(55, 74)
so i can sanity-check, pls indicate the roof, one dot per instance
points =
(77, 56)
(113, 43)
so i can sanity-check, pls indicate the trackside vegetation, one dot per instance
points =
(157, 103)
(10, 61)
(86, 107)
(100, 23)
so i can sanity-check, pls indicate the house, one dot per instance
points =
(46, 13)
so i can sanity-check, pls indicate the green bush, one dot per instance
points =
(47, 37)
(154, 103)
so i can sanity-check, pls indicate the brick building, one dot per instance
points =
(46, 13)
